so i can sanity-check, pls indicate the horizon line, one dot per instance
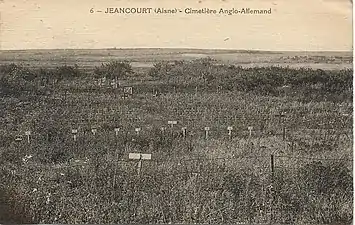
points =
(177, 48)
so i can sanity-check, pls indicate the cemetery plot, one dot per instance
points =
(158, 147)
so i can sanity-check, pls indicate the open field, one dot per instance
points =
(147, 57)
(286, 159)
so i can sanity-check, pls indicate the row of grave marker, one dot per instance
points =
(138, 129)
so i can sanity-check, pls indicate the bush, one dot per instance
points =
(113, 70)
(160, 69)
(66, 72)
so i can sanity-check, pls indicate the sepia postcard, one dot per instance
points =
(176, 112)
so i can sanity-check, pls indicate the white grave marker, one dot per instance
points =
(250, 128)
(18, 138)
(138, 129)
(114, 84)
(28, 134)
(128, 90)
(74, 132)
(172, 123)
(207, 129)
(230, 132)
(162, 129)
(94, 131)
(184, 131)
(140, 157)
(155, 93)
(117, 130)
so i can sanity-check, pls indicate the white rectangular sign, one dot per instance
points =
(128, 90)
(172, 122)
(139, 156)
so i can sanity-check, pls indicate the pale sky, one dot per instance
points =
(312, 25)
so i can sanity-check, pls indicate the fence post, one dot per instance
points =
(115, 172)
(272, 189)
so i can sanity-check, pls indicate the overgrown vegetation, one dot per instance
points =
(113, 70)
(265, 81)
(54, 179)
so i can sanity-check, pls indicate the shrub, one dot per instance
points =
(160, 69)
(113, 70)
(66, 72)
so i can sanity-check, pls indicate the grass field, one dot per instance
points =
(294, 168)
(147, 57)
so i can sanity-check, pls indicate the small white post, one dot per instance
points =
(230, 132)
(162, 129)
(116, 131)
(74, 132)
(94, 130)
(250, 128)
(172, 123)
(138, 129)
(155, 93)
(206, 132)
(184, 132)
(28, 133)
